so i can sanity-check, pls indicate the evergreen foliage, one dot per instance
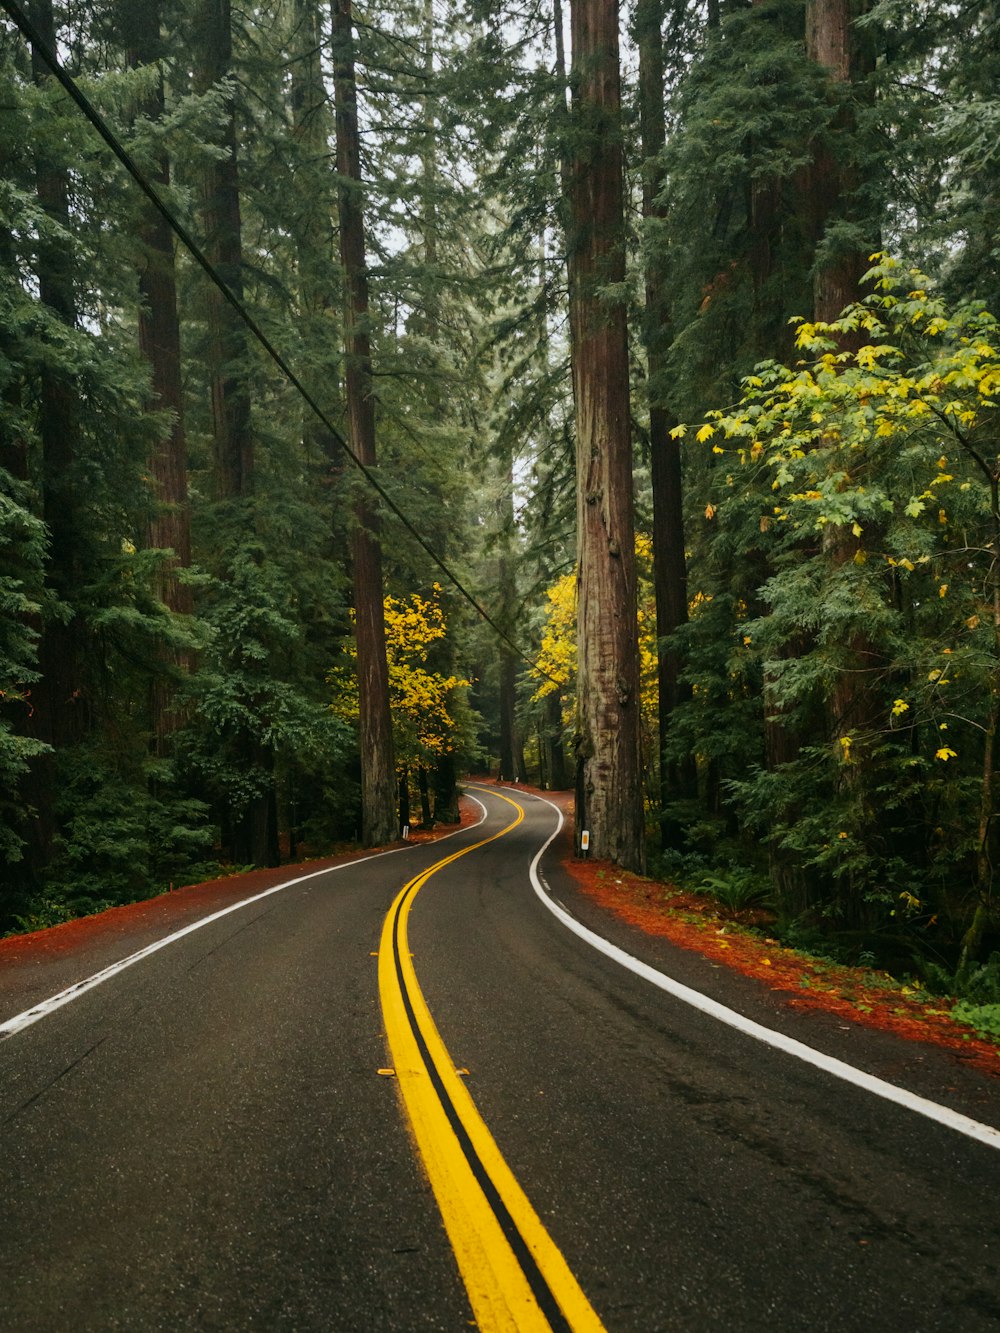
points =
(835, 723)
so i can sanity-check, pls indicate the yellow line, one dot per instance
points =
(485, 1211)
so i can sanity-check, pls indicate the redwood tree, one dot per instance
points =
(159, 340)
(831, 185)
(378, 786)
(608, 785)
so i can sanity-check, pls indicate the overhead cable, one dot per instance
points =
(32, 36)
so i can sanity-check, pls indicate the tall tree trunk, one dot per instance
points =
(609, 786)
(831, 42)
(375, 726)
(508, 678)
(510, 744)
(441, 655)
(669, 565)
(159, 341)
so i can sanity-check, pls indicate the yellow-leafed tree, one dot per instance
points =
(428, 708)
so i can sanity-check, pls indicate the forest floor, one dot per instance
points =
(738, 940)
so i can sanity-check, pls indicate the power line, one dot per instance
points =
(32, 36)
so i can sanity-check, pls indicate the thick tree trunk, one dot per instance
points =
(441, 657)
(375, 725)
(831, 41)
(159, 341)
(607, 746)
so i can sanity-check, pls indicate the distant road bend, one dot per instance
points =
(440, 1089)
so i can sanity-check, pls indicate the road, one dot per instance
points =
(383, 1100)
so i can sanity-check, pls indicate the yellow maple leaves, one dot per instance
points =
(557, 655)
(421, 699)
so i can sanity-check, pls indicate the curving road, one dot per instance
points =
(382, 1099)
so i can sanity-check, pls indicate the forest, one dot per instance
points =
(601, 398)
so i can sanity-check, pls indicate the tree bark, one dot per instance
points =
(169, 527)
(508, 675)
(510, 745)
(375, 725)
(607, 744)
(831, 42)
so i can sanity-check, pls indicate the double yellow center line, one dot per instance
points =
(515, 1276)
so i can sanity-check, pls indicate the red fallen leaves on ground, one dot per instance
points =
(177, 906)
(693, 922)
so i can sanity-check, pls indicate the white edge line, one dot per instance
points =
(45, 1007)
(964, 1124)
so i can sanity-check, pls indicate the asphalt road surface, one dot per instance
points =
(379, 1099)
